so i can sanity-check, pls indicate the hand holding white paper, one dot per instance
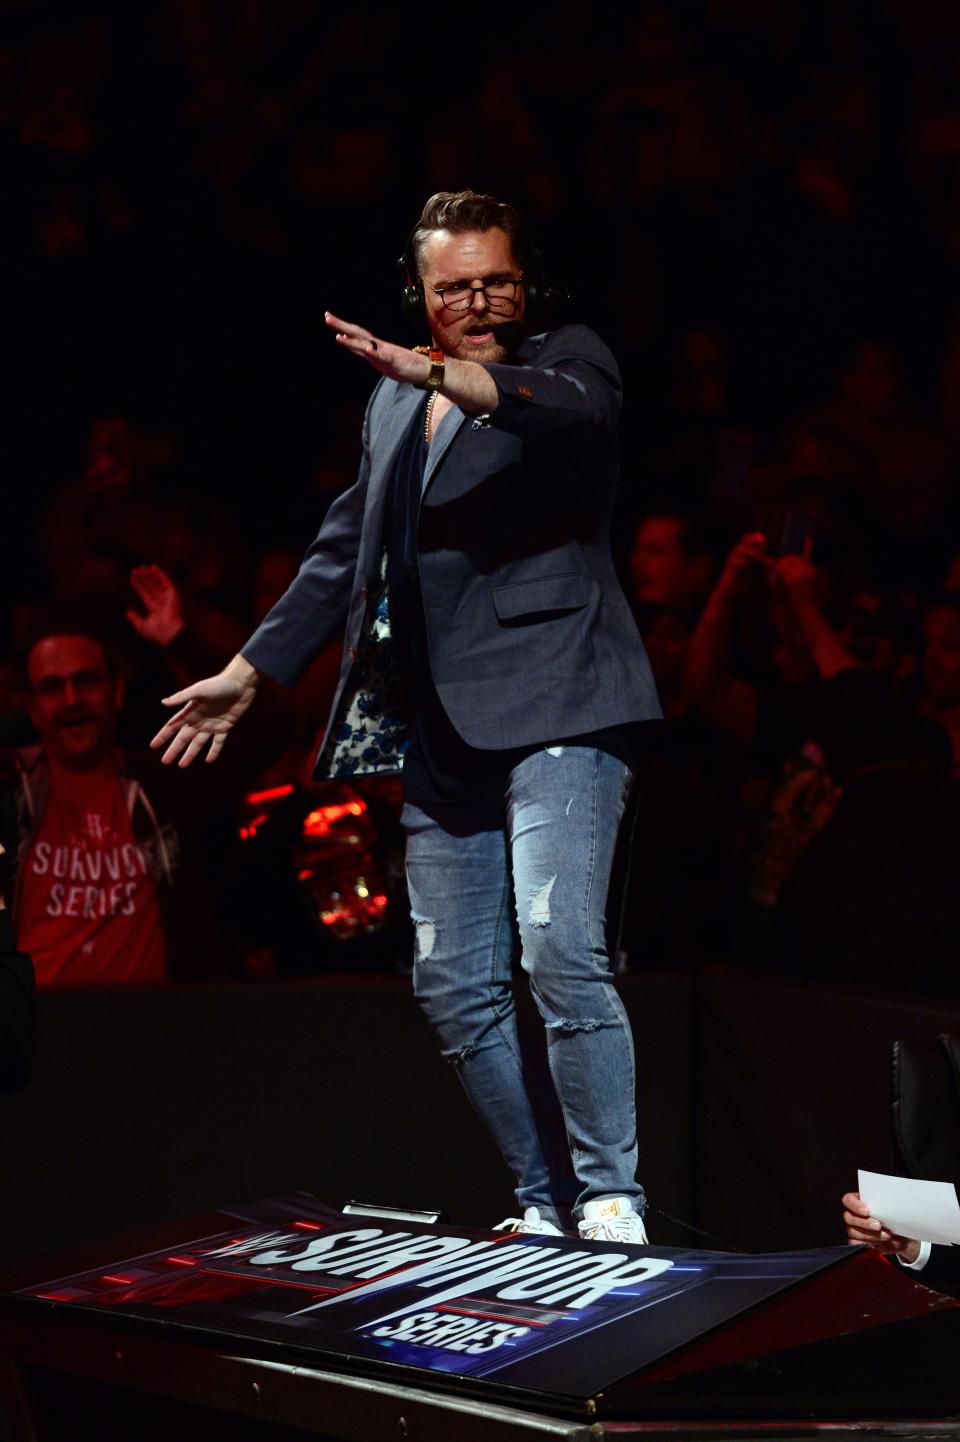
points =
(926, 1211)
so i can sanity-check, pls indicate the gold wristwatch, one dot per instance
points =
(434, 380)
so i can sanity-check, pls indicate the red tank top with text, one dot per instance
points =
(87, 907)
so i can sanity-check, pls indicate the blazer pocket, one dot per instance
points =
(544, 596)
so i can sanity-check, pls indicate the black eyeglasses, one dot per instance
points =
(500, 292)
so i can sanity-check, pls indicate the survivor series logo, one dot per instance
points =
(459, 1295)
(547, 1313)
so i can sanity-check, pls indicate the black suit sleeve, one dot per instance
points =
(942, 1271)
(569, 382)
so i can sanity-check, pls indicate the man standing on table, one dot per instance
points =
(491, 652)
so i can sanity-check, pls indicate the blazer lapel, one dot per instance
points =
(393, 428)
(442, 439)
(386, 443)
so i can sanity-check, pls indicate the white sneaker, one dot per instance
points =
(531, 1221)
(612, 1219)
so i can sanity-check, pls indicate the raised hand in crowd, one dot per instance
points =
(797, 580)
(161, 619)
(745, 565)
(863, 1229)
(708, 683)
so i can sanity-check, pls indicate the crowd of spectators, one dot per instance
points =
(758, 206)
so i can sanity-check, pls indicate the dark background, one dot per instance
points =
(188, 186)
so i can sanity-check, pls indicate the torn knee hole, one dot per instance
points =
(540, 904)
(426, 937)
(456, 1056)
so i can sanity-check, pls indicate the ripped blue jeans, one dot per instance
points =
(533, 863)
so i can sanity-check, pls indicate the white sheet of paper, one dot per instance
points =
(928, 1211)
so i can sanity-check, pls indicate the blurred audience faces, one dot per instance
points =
(670, 562)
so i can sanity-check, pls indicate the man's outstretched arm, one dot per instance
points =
(467, 383)
(579, 388)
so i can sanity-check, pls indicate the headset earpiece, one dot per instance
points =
(411, 299)
(412, 305)
(542, 295)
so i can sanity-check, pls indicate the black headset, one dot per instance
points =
(540, 293)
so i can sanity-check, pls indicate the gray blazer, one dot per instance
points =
(530, 636)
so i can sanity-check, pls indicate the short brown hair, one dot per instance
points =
(458, 211)
(75, 614)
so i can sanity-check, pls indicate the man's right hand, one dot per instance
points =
(208, 712)
(862, 1229)
(161, 619)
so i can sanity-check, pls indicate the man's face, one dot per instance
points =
(74, 700)
(663, 574)
(475, 257)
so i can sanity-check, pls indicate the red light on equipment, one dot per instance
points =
(318, 823)
(248, 832)
(275, 793)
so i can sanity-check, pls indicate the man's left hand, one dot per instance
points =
(396, 361)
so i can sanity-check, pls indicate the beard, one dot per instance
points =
(495, 341)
